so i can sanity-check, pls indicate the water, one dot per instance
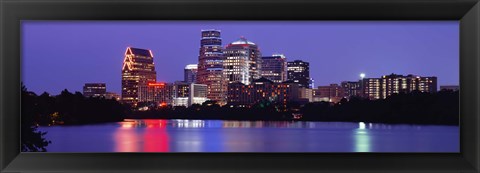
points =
(250, 136)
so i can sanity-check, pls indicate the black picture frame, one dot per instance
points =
(14, 11)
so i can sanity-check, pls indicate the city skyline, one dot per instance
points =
(390, 38)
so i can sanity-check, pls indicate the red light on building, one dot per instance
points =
(163, 104)
(156, 84)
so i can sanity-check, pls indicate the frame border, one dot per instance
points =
(13, 11)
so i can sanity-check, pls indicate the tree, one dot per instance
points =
(31, 138)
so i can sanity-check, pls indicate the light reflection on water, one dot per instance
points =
(154, 135)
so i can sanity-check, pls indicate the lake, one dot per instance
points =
(157, 135)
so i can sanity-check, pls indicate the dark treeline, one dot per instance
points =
(72, 108)
(412, 108)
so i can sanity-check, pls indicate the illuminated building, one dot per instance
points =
(261, 89)
(450, 87)
(158, 93)
(138, 70)
(274, 68)
(299, 72)
(242, 61)
(111, 95)
(189, 94)
(94, 89)
(306, 93)
(381, 88)
(395, 83)
(371, 88)
(190, 73)
(210, 65)
(332, 93)
(352, 88)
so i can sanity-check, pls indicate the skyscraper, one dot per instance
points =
(138, 70)
(274, 68)
(190, 73)
(242, 61)
(299, 72)
(210, 65)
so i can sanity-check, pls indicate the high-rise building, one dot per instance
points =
(138, 70)
(190, 73)
(261, 89)
(210, 65)
(372, 88)
(94, 90)
(274, 68)
(299, 72)
(242, 61)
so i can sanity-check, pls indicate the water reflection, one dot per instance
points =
(362, 138)
(177, 135)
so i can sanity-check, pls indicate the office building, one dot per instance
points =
(242, 61)
(261, 89)
(395, 83)
(372, 88)
(331, 93)
(210, 65)
(352, 88)
(186, 95)
(94, 90)
(299, 72)
(138, 70)
(159, 93)
(190, 73)
(274, 68)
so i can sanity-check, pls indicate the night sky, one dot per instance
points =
(61, 55)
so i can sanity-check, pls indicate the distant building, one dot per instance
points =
(395, 83)
(274, 68)
(331, 93)
(381, 88)
(186, 95)
(94, 90)
(210, 65)
(242, 61)
(450, 87)
(299, 72)
(111, 95)
(138, 70)
(190, 73)
(306, 93)
(159, 93)
(352, 88)
(372, 88)
(261, 89)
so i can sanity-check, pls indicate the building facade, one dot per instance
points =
(138, 70)
(210, 65)
(352, 88)
(274, 68)
(242, 61)
(299, 72)
(189, 94)
(381, 88)
(331, 93)
(94, 90)
(190, 73)
(158, 93)
(261, 89)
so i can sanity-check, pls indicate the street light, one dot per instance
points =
(362, 75)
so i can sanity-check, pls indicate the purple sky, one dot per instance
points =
(66, 54)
